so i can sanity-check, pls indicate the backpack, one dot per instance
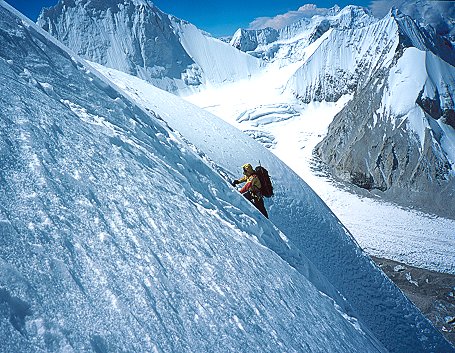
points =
(264, 178)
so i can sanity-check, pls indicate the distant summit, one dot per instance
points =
(307, 29)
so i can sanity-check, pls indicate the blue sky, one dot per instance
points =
(216, 17)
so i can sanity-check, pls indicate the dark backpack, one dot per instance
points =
(266, 183)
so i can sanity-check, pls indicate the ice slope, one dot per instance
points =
(291, 130)
(296, 210)
(116, 236)
(137, 38)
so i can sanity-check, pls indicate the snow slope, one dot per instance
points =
(295, 209)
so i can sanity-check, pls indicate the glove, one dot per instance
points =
(235, 182)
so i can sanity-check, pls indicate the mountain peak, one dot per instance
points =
(423, 38)
(136, 37)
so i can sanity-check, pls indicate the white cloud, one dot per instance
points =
(283, 20)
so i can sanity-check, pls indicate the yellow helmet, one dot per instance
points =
(247, 168)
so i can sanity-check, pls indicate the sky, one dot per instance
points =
(220, 18)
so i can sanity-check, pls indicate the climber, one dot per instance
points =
(252, 189)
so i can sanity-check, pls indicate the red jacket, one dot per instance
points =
(252, 183)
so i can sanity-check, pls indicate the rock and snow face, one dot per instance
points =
(135, 37)
(384, 139)
(116, 236)
(397, 133)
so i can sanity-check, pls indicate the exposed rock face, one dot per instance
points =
(370, 151)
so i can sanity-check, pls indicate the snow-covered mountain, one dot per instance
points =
(118, 236)
(269, 43)
(135, 37)
(397, 133)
